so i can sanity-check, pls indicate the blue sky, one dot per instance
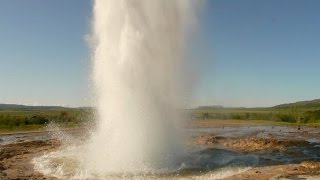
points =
(248, 52)
(43, 55)
(259, 53)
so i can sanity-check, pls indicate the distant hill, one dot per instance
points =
(16, 106)
(306, 104)
(302, 104)
(210, 107)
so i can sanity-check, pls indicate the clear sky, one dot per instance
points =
(44, 58)
(248, 52)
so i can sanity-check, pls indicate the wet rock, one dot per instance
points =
(269, 144)
(312, 165)
(208, 139)
(256, 144)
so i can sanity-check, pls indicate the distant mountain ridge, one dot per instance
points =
(17, 106)
(210, 107)
(308, 104)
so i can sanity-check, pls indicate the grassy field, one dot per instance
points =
(207, 123)
(274, 115)
(35, 118)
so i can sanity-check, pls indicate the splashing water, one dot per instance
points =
(138, 47)
(137, 65)
(137, 59)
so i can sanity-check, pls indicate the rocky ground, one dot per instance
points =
(15, 159)
(270, 144)
(304, 170)
(248, 144)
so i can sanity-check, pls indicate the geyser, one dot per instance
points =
(137, 54)
(137, 65)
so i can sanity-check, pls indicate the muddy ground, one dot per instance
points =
(284, 152)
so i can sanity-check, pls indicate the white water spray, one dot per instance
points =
(137, 56)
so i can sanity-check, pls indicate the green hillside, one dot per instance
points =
(301, 104)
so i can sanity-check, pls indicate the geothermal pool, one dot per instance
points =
(210, 160)
(197, 161)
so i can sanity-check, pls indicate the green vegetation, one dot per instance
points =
(305, 112)
(21, 119)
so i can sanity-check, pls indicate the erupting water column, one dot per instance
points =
(137, 54)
